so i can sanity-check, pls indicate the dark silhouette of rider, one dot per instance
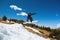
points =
(29, 17)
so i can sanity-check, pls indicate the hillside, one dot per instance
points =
(46, 32)
(41, 31)
(17, 32)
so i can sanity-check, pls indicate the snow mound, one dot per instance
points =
(16, 32)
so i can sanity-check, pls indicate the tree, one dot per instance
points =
(4, 18)
(20, 21)
(15, 20)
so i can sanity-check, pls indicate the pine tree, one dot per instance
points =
(4, 18)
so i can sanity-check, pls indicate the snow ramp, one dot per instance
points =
(17, 32)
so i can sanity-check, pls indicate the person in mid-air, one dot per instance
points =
(29, 17)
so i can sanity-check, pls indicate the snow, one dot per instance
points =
(17, 32)
(35, 30)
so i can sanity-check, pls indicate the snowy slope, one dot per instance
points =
(32, 29)
(16, 32)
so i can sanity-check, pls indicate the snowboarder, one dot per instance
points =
(29, 17)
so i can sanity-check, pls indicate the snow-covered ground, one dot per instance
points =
(33, 29)
(17, 32)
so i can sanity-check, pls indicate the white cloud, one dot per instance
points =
(58, 25)
(15, 7)
(22, 14)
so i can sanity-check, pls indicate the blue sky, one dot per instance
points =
(47, 11)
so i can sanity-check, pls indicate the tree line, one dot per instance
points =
(4, 18)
